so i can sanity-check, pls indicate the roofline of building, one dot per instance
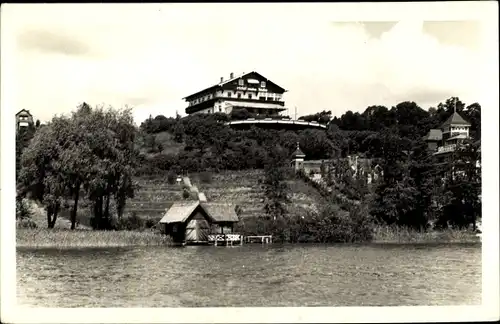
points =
(232, 79)
(20, 111)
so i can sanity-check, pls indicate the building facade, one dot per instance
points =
(359, 167)
(250, 91)
(451, 133)
(24, 119)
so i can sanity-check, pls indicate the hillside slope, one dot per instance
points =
(244, 189)
(241, 188)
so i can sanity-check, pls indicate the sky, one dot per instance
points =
(149, 57)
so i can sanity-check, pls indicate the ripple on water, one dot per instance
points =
(250, 275)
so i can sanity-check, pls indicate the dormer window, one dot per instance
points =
(241, 82)
(262, 84)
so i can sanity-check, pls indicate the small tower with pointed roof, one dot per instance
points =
(298, 158)
(455, 128)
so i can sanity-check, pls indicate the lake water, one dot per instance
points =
(251, 275)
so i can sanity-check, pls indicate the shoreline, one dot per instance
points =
(64, 238)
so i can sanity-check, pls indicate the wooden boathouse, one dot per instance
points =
(195, 222)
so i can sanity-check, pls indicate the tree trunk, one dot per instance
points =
(49, 217)
(97, 213)
(106, 208)
(54, 218)
(75, 206)
(52, 215)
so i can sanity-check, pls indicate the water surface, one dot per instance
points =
(251, 275)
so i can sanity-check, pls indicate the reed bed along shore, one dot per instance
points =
(63, 238)
(402, 235)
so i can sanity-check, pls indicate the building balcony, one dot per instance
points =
(446, 149)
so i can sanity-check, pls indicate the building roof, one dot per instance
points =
(179, 212)
(23, 110)
(220, 84)
(221, 212)
(282, 123)
(455, 119)
(434, 135)
(459, 136)
(298, 152)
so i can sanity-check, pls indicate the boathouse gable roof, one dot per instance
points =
(179, 212)
(221, 212)
(217, 212)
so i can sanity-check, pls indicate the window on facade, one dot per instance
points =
(241, 82)
(262, 84)
(229, 94)
(249, 96)
(239, 95)
(262, 98)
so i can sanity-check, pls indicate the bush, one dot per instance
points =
(133, 222)
(205, 177)
(186, 194)
(149, 223)
(171, 177)
(330, 225)
(23, 210)
(25, 223)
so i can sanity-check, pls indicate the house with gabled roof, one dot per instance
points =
(250, 91)
(194, 222)
(454, 130)
(24, 119)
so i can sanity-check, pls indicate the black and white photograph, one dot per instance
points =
(249, 162)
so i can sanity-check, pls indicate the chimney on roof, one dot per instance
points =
(221, 79)
(231, 75)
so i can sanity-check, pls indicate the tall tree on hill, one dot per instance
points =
(473, 115)
(395, 197)
(39, 177)
(378, 118)
(91, 150)
(462, 187)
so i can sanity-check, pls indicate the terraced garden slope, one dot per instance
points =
(153, 197)
(244, 189)
(241, 188)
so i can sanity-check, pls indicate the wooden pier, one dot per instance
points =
(225, 239)
(238, 239)
(264, 239)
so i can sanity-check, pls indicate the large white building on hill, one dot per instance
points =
(250, 91)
